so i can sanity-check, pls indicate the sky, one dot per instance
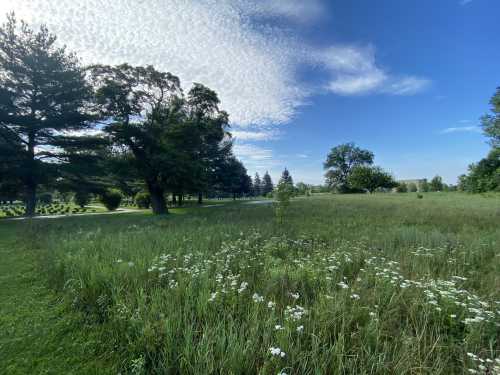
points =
(407, 80)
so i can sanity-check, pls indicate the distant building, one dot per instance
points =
(418, 182)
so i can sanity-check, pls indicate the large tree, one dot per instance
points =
(175, 140)
(44, 100)
(341, 160)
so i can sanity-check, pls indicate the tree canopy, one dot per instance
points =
(340, 162)
(45, 102)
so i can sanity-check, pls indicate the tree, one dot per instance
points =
(424, 186)
(234, 178)
(82, 198)
(44, 99)
(436, 184)
(209, 125)
(267, 184)
(111, 199)
(370, 178)
(287, 177)
(340, 162)
(284, 191)
(257, 185)
(483, 176)
(174, 141)
(145, 111)
(491, 123)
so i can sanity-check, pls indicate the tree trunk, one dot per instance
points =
(30, 199)
(158, 203)
(200, 198)
(30, 182)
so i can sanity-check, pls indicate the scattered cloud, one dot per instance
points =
(461, 129)
(354, 71)
(465, 2)
(302, 156)
(252, 152)
(255, 135)
(299, 11)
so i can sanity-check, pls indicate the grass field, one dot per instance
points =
(360, 284)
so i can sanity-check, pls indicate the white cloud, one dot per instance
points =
(301, 11)
(251, 152)
(461, 129)
(220, 43)
(255, 135)
(207, 41)
(302, 156)
(354, 71)
(407, 85)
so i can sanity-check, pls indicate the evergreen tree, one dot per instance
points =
(267, 184)
(286, 177)
(257, 185)
(44, 100)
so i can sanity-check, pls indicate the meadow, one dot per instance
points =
(347, 284)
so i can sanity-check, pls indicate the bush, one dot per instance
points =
(111, 199)
(45, 198)
(401, 188)
(143, 199)
(81, 198)
(420, 196)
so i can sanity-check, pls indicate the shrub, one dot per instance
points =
(420, 196)
(81, 198)
(401, 188)
(111, 199)
(143, 199)
(45, 198)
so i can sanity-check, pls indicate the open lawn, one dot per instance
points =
(349, 284)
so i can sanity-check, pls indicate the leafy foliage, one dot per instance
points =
(340, 162)
(370, 178)
(111, 199)
(142, 199)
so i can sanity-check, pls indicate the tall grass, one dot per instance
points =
(347, 284)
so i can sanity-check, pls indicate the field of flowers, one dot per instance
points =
(383, 284)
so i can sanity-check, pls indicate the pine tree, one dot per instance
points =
(257, 185)
(267, 184)
(44, 100)
(286, 177)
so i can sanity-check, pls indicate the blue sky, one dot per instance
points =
(433, 131)
(405, 79)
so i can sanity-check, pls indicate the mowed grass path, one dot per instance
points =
(38, 333)
(42, 330)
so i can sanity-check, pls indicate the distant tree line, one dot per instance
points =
(89, 130)
(484, 175)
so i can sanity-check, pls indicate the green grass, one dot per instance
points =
(380, 284)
